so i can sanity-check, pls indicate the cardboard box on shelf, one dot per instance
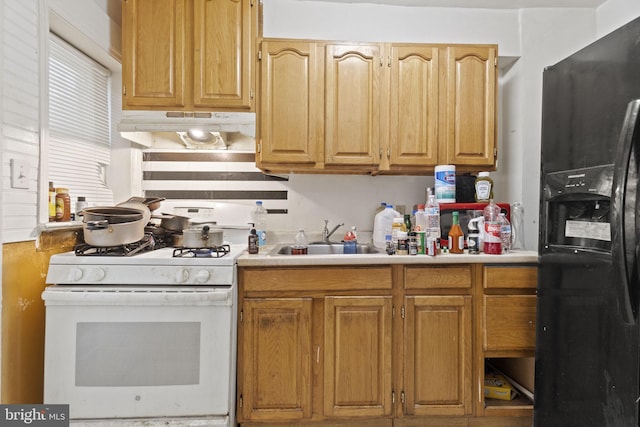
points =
(496, 386)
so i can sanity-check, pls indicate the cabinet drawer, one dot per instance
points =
(316, 279)
(509, 322)
(437, 277)
(510, 277)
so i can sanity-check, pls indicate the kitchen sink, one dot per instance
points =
(327, 249)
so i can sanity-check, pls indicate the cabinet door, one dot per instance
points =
(276, 359)
(438, 355)
(357, 368)
(222, 61)
(352, 104)
(291, 103)
(469, 135)
(413, 106)
(154, 48)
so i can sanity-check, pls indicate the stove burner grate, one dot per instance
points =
(212, 252)
(147, 243)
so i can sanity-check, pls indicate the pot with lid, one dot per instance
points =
(202, 236)
(113, 226)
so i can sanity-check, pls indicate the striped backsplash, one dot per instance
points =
(211, 176)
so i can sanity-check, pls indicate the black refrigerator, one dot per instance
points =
(587, 334)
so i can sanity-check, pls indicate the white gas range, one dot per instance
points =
(147, 338)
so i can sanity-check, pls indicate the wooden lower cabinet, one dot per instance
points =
(438, 355)
(380, 346)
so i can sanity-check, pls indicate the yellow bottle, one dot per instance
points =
(484, 187)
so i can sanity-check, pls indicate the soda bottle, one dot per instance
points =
(492, 229)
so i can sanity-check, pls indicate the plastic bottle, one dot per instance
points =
(300, 243)
(407, 223)
(52, 202)
(505, 233)
(350, 241)
(484, 187)
(517, 226)
(260, 221)
(432, 212)
(456, 236)
(473, 236)
(253, 240)
(81, 204)
(382, 227)
(63, 204)
(421, 219)
(492, 229)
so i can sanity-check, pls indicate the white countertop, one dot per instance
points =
(267, 260)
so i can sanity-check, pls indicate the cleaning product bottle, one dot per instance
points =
(484, 187)
(456, 236)
(350, 241)
(260, 221)
(382, 226)
(421, 219)
(492, 229)
(253, 240)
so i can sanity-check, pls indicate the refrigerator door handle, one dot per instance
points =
(623, 210)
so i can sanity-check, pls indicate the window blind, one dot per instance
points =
(79, 124)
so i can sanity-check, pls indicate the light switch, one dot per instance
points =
(19, 174)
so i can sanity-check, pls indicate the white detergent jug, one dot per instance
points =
(382, 226)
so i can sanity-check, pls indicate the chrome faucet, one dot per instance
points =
(326, 233)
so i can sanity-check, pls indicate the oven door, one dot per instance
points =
(139, 352)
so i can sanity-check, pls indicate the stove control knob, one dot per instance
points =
(182, 275)
(75, 274)
(203, 276)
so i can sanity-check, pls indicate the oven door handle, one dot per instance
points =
(177, 296)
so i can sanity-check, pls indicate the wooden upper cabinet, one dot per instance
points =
(413, 106)
(154, 53)
(469, 133)
(291, 103)
(352, 104)
(188, 54)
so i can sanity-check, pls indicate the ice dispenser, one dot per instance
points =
(577, 208)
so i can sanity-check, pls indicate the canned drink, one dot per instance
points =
(431, 246)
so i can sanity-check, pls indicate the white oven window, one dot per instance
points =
(125, 354)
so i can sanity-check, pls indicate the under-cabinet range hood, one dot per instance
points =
(162, 121)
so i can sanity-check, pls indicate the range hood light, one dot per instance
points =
(199, 139)
(200, 135)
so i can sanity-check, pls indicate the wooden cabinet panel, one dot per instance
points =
(222, 53)
(154, 53)
(413, 106)
(470, 130)
(510, 322)
(352, 104)
(324, 279)
(291, 94)
(457, 276)
(438, 355)
(276, 362)
(357, 356)
(510, 277)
